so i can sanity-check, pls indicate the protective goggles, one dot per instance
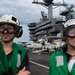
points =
(9, 28)
(70, 32)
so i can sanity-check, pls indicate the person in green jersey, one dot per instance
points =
(13, 57)
(62, 62)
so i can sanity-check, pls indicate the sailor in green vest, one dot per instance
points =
(62, 62)
(13, 57)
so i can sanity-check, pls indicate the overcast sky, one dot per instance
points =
(26, 12)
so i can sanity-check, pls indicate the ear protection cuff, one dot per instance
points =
(19, 33)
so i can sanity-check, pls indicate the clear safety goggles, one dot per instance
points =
(70, 32)
(9, 28)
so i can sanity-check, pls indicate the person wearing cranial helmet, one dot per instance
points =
(13, 21)
(63, 61)
(13, 57)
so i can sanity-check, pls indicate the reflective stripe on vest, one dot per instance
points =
(18, 60)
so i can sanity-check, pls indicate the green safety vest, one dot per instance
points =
(59, 64)
(11, 65)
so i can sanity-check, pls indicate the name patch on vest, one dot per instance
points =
(59, 61)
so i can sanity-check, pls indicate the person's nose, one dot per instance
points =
(5, 31)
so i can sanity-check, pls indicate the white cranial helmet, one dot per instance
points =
(9, 19)
(69, 23)
(12, 20)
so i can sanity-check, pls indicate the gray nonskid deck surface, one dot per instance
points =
(39, 64)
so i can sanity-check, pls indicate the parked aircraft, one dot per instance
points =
(41, 46)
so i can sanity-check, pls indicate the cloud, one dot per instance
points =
(25, 11)
(22, 9)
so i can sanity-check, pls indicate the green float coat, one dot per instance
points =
(11, 65)
(59, 64)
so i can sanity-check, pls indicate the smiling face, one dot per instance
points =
(5, 34)
(71, 41)
(69, 36)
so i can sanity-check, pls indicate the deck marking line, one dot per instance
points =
(39, 64)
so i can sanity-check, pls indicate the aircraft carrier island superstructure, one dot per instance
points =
(49, 27)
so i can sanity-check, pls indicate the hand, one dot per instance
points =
(24, 72)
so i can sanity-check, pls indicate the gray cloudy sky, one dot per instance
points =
(26, 12)
(22, 9)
